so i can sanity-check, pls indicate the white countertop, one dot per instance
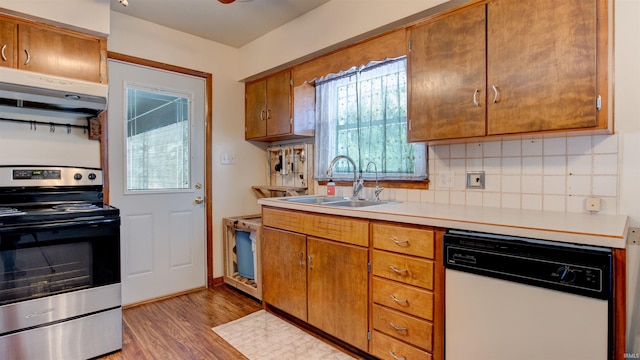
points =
(587, 229)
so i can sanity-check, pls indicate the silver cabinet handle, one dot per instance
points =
(399, 301)
(475, 98)
(310, 259)
(496, 94)
(399, 242)
(4, 57)
(397, 328)
(300, 257)
(398, 271)
(396, 357)
(261, 115)
(268, 114)
(26, 62)
(199, 200)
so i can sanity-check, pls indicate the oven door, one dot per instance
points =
(47, 269)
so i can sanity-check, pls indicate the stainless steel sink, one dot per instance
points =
(315, 199)
(360, 203)
(337, 201)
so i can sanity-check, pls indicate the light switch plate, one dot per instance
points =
(445, 180)
(227, 158)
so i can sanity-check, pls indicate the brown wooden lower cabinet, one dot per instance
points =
(407, 292)
(284, 264)
(320, 281)
(387, 348)
(374, 285)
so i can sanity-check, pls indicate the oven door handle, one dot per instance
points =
(97, 221)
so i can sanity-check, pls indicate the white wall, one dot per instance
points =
(232, 194)
(90, 16)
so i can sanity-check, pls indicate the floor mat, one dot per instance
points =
(263, 336)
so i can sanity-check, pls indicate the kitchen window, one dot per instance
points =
(362, 113)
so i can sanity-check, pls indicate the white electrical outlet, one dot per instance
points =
(475, 180)
(592, 204)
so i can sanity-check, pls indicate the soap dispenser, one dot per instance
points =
(331, 188)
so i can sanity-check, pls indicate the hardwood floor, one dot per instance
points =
(180, 327)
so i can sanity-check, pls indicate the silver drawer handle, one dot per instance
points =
(396, 357)
(475, 98)
(4, 57)
(398, 271)
(397, 328)
(26, 62)
(400, 242)
(399, 301)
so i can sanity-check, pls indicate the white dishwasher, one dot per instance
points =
(515, 298)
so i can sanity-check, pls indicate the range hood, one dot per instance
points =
(28, 89)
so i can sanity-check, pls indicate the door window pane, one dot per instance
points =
(158, 126)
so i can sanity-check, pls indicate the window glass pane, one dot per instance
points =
(157, 140)
(363, 114)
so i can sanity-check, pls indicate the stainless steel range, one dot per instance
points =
(60, 294)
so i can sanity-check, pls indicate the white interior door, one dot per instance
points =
(156, 124)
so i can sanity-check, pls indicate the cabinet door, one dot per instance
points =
(279, 104)
(448, 81)
(256, 110)
(338, 284)
(542, 61)
(284, 271)
(7, 43)
(59, 53)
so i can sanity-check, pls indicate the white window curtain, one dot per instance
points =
(362, 113)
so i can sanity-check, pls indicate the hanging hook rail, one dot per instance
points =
(52, 125)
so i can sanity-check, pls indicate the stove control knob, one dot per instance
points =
(77, 176)
(92, 176)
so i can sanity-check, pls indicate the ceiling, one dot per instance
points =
(234, 24)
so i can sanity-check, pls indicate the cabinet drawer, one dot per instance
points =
(404, 327)
(404, 240)
(338, 228)
(283, 219)
(404, 298)
(387, 348)
(403, 268)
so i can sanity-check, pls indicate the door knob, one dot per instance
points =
(199, 200)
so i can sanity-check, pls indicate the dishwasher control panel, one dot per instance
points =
(574, 269)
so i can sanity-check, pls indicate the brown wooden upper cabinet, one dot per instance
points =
(510, 67)
(50, 50)
(275, 110)
(7, 43)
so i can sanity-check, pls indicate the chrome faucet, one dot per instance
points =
(357, 186)
(378, 189)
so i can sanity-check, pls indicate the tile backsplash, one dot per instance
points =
(552, 173)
